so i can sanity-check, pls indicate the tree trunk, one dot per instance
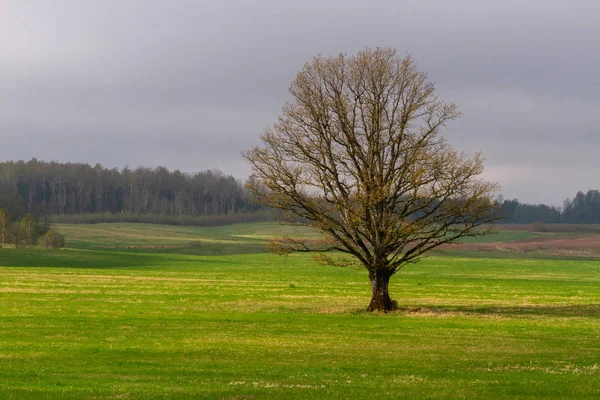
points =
(380, 300)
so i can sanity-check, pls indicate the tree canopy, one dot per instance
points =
(357, 154)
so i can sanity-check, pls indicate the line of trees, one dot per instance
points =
(27, 232)
(584, 208)
(52, 188)
(77, 190)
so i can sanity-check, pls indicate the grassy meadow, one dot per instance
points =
(151, 311)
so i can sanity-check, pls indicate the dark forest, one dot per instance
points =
(61, 190)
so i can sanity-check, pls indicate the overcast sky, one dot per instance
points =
(190, 84)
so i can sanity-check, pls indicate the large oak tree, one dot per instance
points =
(357, 153)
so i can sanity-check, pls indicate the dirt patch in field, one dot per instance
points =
(554, 245)
(499, 311)
(145, 247)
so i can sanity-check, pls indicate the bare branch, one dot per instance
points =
(357, 153)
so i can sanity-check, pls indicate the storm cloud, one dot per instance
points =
(190, 84)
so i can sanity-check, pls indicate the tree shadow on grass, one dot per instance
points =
(197, 248)
(91, 259)
(200, 249)
(576, 310)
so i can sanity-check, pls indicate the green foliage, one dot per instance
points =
(4, 226)
(53, 239)
(17, 234)
(23, 233)
(29, 229)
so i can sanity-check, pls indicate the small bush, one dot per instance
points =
(539, 226)
(53, 240)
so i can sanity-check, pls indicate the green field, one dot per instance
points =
(146, 311)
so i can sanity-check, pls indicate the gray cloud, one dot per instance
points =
(190, 84)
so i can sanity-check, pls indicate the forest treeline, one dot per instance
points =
(584, 208)
(78, 192)
(62, 189)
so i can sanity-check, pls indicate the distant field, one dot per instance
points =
(229, 239)
(556, 228)
(139, 311)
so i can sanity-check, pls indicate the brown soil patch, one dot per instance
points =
(145, 247)
(558, 245)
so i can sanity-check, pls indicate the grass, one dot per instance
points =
(100, 320)
(220, 240)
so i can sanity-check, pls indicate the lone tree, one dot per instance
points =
(357, 154)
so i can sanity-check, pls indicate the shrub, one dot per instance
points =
(53, 239)
(539, 226)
